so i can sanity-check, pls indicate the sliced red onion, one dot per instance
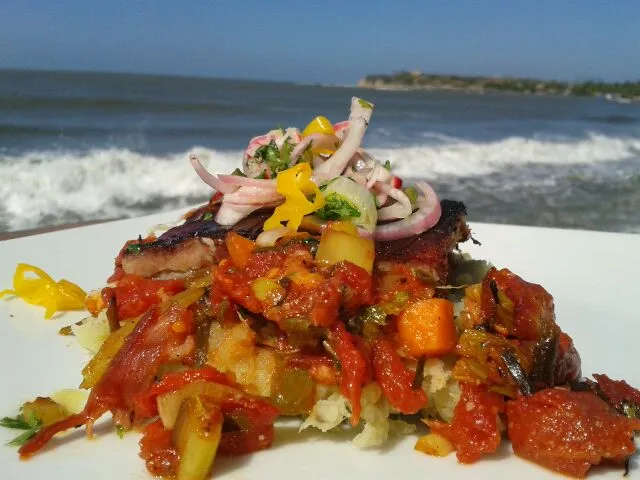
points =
(317, 161)
(358, 120)
(252, 196)
(232, 213)
(269, 238)
(401, 209)
(421, 220)
(301, 147)
(320, 140)
(210, 179)
(267, 184)
(341, 129)
(359, 178)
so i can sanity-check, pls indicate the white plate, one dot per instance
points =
(592, 276)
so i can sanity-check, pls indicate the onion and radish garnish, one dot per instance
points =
(322, 173)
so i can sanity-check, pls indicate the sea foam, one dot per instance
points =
(47, 187)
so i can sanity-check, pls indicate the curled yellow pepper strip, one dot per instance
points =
(43, 291)
(295, 185)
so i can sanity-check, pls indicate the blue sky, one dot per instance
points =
(328, 41)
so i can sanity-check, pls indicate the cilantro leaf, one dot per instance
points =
(30, 424)
(387, 165)
(134, 248)
(337, 208)
(120, 431)
(238, 173)
(277, 160)
(18, 423)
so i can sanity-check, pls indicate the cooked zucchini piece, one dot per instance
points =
(169, 404)
(196, 435)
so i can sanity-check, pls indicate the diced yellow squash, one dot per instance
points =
(196, 435)
(434, 444)
(45, 410)
(338, 246)
(268, 291)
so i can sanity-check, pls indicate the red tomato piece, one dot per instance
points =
(394, 378)
(474, 430)
(157, 451)
(136, 294)
(242, 442)
(355, 283)
(353, 368)
(617, 391)
(145, 403)
(569, 431)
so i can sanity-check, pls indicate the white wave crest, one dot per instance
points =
(464, 158)
(104, 183)
(54, 187)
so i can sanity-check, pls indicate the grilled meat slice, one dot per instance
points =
(193, 244)
(179, 257)
(188, 246)
(429, 252)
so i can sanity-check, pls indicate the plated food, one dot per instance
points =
(316, 285)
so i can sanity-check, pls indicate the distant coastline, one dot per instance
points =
(622, 92)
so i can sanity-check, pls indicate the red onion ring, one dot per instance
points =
(252, 196)
(401, 209)
(358, 121)
(420, 221)
(232, 213)
(208, 178)
(267, 184)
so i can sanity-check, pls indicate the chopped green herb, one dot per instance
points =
(207, 216)
(134, 248)
(387, 165)
(368, 323)
(337, 208)
(30, 424)
(375, 314)
(18, 423)
(411, 193)
(277, 160)
(364, 104)
(120, 431)
(238, 173)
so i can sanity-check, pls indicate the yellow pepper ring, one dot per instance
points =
(319, 124)
(295, 185)
(44, 291)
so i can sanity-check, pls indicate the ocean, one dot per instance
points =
(87, 146)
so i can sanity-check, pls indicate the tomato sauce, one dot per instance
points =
(569, 431)
(475, 430)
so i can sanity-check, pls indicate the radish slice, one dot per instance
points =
(210, 179)
(361, 111)
(420, 221)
